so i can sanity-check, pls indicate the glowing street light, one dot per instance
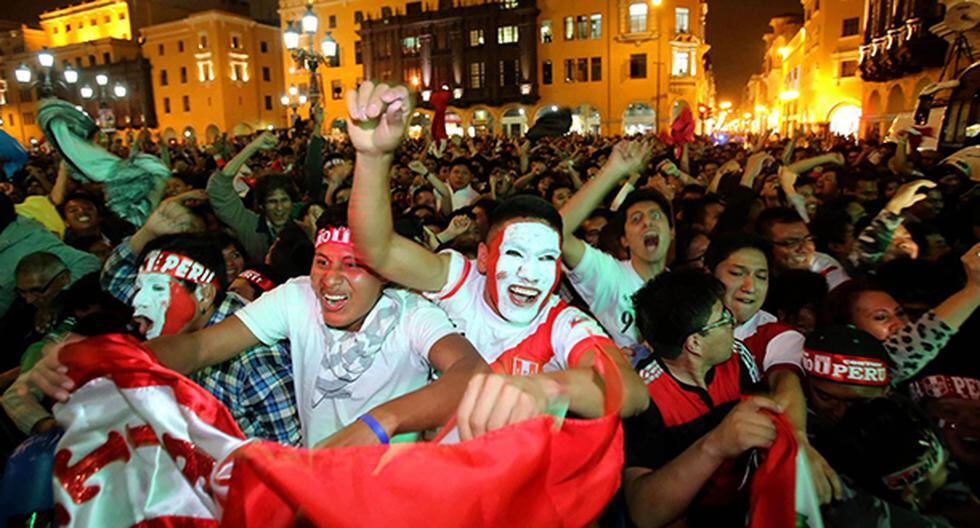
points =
(292, 90)
(784, 51)
(102, 79)
(309, 21)
(725, 105)
(22, 74)
(284, 100)
(119, 90)
(328, 46)
(291, 37)
(302, 99)
(71, 75)
(760, 109)
(86, 91)
(789, 95)
(45, 58)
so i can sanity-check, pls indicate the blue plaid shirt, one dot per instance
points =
(256, 386)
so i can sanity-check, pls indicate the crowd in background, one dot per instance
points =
(844, 274)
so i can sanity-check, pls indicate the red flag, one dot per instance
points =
(439, 100)
(782, 493)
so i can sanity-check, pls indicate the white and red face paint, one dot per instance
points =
(522, 269)
(161, 298)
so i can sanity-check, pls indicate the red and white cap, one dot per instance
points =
(179, 267)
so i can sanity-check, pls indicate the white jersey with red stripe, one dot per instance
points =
(829, 268)
(773, 344)
(553, 340)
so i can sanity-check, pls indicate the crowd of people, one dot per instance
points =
(336, 291)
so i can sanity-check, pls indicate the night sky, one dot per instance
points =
(735, 29)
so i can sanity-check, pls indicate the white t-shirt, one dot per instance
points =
(461, 198)
(550, 342)
(828, 266)
(337, 378)
(607, 285)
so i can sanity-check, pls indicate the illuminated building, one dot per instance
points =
(617, 64)
(215, 72)
(809, 76)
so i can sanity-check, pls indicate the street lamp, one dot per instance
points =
(308, 57)
(23, 74)
(86, 92)
(71, 74)
(293, 100)
(102, 79)
(45, 58)
(46, 80)
(119, 90)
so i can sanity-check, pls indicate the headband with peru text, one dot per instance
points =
(179, 267)
(941, 387)
(920, 470)
(845, 369)
(333, 235)
(257, 279)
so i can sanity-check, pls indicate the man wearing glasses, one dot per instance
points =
(40, 278)
(684, 454)
(793, 246)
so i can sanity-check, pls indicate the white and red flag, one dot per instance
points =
(782, 494)
(143, 445)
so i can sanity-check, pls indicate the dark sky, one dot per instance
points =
(735, 29)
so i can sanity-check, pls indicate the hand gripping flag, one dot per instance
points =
(143, 445)
(782, 492)
(526, 474)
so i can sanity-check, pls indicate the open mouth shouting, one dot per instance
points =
(334, 302)
(651, 241)
(141, 325)
(523, 296)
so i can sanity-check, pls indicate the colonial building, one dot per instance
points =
(809, 77)
(215, 72)
(622, 66)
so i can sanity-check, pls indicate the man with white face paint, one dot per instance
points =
(503, 300)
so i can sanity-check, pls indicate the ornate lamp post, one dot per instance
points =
(308, 57)
(47, 80)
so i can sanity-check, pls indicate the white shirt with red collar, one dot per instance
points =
(773, 344)
(554, 340)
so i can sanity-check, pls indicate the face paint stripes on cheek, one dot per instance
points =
(523, 269)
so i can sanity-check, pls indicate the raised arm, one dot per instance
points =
(626, 157)
(378, 117)
(188, 353)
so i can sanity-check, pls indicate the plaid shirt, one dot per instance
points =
(256, 386)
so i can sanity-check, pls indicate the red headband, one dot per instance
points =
(333, 235)
(941, 386)
(179, 267)
(920, 470)
(257, 279)
(845, 369)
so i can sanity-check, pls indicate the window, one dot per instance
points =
(638, 20)
(122, 16)
(67, 28)
(546, 31)
(682, 22)
(569, 28)
(358, 53)
(582, 72)
(476, 37)
(477, 73)
(582, 27)
(166, 105)
(638, 66)
(569, 70)
(92, 22)
(187, 103)
(596, 68)
(107, 19)
(358, 17)
(25, 95)
(508, 4)
(81, 24)
(385, 12)
(336, 89)
(91, 60)
(163, 78)
(508, 72)
(332, 21)
(235, 42)
(203, 41)
(546, 72)
(205, 71)
(160, 49)
(850, 27)
(183, 75)
(411, 45)
(268, 102)
(180, 46)
(55, 30)
(848, 68)
(507, 35)
(10, 119)
(28, 118)
(596, 29)
(680, 64)
(264, 46)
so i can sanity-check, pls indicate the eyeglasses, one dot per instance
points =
(794, 243)
(727, 318)
(40, 290)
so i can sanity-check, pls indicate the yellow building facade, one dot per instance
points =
(215, 72)
(809, 77)
(622, 66)
(87, 22)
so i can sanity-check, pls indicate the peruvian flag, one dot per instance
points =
(782, 493)
(143, 445)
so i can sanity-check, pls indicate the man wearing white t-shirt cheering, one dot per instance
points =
(503, 301)
(605, 283)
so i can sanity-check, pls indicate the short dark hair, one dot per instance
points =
(793, 290)
(673, 306)
(830, 227)
(526, 206)
(722, 246)
(775, 215)
(268, 183)
(292, 253)
(645, 195)
(204, 248)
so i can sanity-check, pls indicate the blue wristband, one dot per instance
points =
(376, 427)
